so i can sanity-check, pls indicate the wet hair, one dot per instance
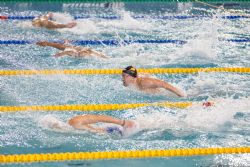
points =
(130, 70)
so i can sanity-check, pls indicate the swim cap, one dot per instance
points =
(130, 70)
(113, 130)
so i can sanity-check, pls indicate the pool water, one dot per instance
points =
(226, 124)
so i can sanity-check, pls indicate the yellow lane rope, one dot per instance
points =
(24, 158)
(93, 107)
(119, 71)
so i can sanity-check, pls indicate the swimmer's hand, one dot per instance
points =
(182, 94)
(128, 124)
(71, 25)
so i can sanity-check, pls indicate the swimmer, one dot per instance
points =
(85, 122)
(144, 83)
(46, 22)
(70, 50)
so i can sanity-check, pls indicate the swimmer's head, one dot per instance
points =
(114, 130)
(131, 71)
(128, 75)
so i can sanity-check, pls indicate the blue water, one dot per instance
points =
(224, 125)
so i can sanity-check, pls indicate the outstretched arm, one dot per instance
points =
(52, 44)
(173, 89)
(53, 25)
(85, 121)
(98, 54)
(90, 128)
(150, 83)
(63, 53)
(91, 118)
(88, 52)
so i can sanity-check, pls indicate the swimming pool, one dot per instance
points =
(210, 41)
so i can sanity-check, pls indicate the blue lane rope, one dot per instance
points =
(20, 17)
(15, 42)
(239, 40)
(95, 42)
(116, 42)
(135, 17)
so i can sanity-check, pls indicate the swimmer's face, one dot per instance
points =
(125, 79)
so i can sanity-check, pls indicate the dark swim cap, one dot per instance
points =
(130, 70)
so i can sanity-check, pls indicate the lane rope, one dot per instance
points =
(119, 71)
(113, 42)
(69, 156)
(100, 42)
(178, 17)
(93, 107)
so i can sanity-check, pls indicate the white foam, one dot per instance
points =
(195, 118)
(202, 83)
(25, 24)
(62, 18)
(127, 22)
(52, 123)
(82, 27)
(131, 131)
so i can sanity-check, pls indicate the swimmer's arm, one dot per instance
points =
(91, 119)
(173, 89)
(90, 52)
(94, 129)
(52, 44)
(156, 83)
(90, 128)
(51, 25)
(63, 53)
(98, 54)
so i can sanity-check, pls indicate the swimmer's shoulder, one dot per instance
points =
(144, 75)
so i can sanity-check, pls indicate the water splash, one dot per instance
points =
(195, 118)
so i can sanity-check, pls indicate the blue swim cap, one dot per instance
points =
(113, 130)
